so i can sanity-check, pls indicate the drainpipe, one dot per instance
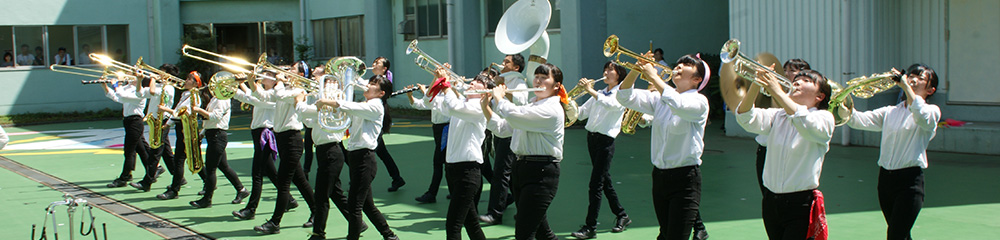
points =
(152, 31)
(452, 35)
(302, 20)
(846, 15)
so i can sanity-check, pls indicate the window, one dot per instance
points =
(244, 40)
(7, 46)
(496, 8)
(339, 37)
(61, 44)
(424, 18)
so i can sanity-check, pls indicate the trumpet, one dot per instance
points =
(481, 91)
(746, 67)
(429, 64)
(572, 109)
(611, 48)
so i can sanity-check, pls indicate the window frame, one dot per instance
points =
(46, 49)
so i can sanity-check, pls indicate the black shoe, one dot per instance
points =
(183, 182)
(426, 198)
(309, 223)
(620, 223)
(118, 182)
(396, 184)
(700, 234)
(316, 237)
(201, 203)
(510, 200)
(448, 197)
(292, 204)
(202, 192)
(243, 193)
(267, 228)
(364, 227)
(391, 237)
(490, 219)
(159, 171)
(140, 186)
(245, 214)
(585, 232)
(169, 194)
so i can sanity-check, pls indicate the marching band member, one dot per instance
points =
(465, 156)
(792, 67)
(192, 81)
(906, 128)
(536, 132)
(440, 129)
(264, 148)
(4, 139)
(380, 66)
(152, 94)
(366, 127)
(216, 116)
(500, 197)
(288, 138)
(330, 160)
(677, 142)
(798, 137)
(605, 123)
(134, 144)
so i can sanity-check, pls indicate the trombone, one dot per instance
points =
(237, 64)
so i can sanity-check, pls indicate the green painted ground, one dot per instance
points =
(963, 200)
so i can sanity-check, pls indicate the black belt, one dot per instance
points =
(536, 158)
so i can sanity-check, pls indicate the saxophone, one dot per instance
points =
(841, 103)
(192, 141)
(630, 119)
(155, 123)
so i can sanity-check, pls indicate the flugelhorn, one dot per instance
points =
(747, 68)
(611, 48)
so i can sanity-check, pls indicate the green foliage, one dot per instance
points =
(42, 118)
(303, 49)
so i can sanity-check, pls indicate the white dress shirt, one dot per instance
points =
(515, 80)
(366, 123)
(679, 119)
(426, 104)
(218, 114)
(467, 130)
(796, 145)
(4, 139)
(534, 129)
(906, 131)
(25, 59)
(154, 99)
(309, 115)
(63, 59)
(604, 112)
(132, 104)
(285, 116)
(263, 111)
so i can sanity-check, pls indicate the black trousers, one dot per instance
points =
(901, 195)
(330, 160)
(359, 195)
(761, 154)
(602, 151)
(676, 198)
(263, 165)
(535, 184)
(135, 144)
(215, 158)
(179, 160)
(438, 162)
(164, 151)
(502, 170)
(786, 215)
(308, 155)
(390, 164)
(464, 181)
(290, 171)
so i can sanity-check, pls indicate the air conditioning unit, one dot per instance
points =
(406, 27)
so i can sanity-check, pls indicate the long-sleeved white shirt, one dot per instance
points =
(263, 111)
(906, 132)
(796, 145)
(154, 99)
(308, 115)
(132, 104)
(604, 112)
(426, 104)
(4, 139)
(285, 116)
(467, 130)
(218, 114)
(515, 80)
(534, 129)
(679, 119)
(366, 123)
